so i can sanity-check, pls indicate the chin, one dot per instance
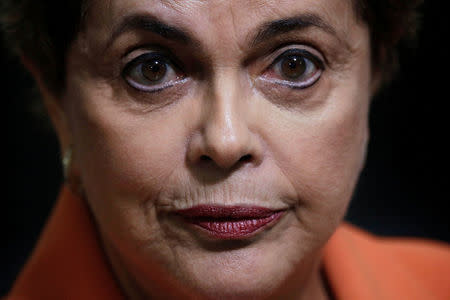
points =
(247, 271)
(239, 274)
(254, 273)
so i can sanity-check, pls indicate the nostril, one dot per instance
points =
(205, 158)
(245, 158)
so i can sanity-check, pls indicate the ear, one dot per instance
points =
(53, 105)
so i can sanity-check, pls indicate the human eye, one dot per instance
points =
(296, 68)
(152, 72)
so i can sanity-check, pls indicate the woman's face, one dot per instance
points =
(184, 115)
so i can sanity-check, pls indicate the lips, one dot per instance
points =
(230, 222)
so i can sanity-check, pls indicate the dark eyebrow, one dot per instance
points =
(152, 24)
(303, 21)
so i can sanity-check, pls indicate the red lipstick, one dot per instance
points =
(230, 222)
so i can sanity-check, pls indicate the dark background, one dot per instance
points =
(403, 189)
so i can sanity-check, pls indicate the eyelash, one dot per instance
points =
(311, 61)
(133, 72)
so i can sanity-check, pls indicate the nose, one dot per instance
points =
(225, 138)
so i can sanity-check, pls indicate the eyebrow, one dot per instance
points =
(152, 24)
(265, 32)
(282, 26)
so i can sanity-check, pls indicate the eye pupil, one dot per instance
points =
(293, 66)
(154, 70)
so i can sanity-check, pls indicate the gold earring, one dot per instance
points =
(71, 176)
(66, 162)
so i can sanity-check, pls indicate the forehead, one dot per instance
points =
(231, 19)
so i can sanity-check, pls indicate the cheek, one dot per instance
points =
(124, 154)
(125, 157)
(326, 155)
(333, 153)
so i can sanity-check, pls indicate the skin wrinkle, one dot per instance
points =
(247, 47)
(236, 30)
(278, 12)
(139, 163)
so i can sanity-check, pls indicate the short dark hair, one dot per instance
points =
(42, 31)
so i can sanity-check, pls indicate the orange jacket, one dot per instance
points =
(68, 263)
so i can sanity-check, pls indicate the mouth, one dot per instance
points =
(230, 222)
